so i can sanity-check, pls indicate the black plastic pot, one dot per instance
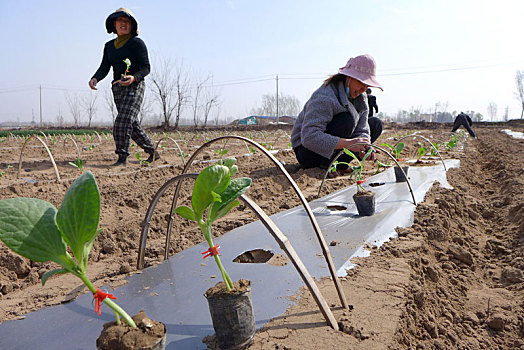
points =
(233, 317)
(365, 202)
(399, 176)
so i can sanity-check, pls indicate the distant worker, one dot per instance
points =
(336, 117)
(372, 104)
(128, 83)
(464, 120)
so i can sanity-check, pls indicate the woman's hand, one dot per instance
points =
(92, 83)
(128, 81)
(359, 146)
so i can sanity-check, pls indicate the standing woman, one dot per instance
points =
(336, 117)
(127, 86)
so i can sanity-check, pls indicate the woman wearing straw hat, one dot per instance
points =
(128, 82)
(336, 117)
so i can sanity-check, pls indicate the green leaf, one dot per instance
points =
(28, 227)
(186, 213)
(370, 150)
(79, 214)
(349, 153)
(87, 250)
(212, 181)
(224, 209)
(236, 188)
(48, 274)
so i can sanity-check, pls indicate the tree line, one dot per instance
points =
(172, 90)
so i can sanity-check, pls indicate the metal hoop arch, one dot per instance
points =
(176, 144)
(377, 147)
(307, 208)
(68, 137)
(48, 152)
(431, 144)
(281, 239)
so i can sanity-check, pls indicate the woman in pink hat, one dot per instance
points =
(336, 117)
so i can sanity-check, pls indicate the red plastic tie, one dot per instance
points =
(211, 251)
(99, 297)
(360, 182)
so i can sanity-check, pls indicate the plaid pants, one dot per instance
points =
(128, 100)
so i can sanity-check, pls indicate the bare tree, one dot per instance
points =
(506, 113)
(195, 105)
(211, 99)
(59, 118)
(492, 111)
(74, 107)
(519, 95)
(89, 102)
(218, 113)
(171, 88)
(110, 104)
(147, 106)
(440, 114)
(287, 105)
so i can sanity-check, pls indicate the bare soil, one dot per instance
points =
(453, 280)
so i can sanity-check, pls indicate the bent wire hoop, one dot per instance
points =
(431, 144)
(379, 148)
(176, 144)
(307, 208)
(48, 152)
(281, 239)
(68, 137)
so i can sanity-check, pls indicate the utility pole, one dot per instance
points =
(41, 123)
(278, 119)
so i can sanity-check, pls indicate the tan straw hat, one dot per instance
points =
(121, 12)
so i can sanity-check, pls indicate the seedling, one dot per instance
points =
(221, 152)
(453, 142)
(92, 147)
(382, 165)
(395, 149)
(421, 153)
(357, 170)
(214, 195)
(253, 150)
(35, 229)
(78, 163)
(434, 149)
(140, 160)
(127, 61)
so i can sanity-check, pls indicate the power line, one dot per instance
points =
(268, 77)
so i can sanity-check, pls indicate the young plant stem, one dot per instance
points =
(227, 280)
(114, 306)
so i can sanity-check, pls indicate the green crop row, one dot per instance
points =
(26, 133)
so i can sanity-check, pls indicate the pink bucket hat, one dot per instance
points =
(362, 68)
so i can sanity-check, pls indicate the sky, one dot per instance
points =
(462, 54)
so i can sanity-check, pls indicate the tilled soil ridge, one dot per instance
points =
(453, 280)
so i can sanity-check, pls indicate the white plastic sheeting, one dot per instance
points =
(172, 292)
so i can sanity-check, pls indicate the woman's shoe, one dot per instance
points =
(153, 156)
(122, 161)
